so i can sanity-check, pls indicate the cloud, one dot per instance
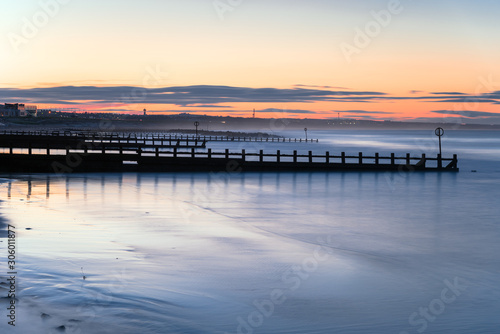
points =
(285, 111)
(467, 113)
(206, 96)
(204, 106)
(181, 95)
(455, 120)
(324, 87)
(364, 117)
(469, 100)
(361, 112)
(448, 93)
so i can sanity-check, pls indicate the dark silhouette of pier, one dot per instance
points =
(56, 153)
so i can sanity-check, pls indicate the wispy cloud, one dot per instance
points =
(361, 112)
(205, 106)
(285, 111)
(181, 96)
(323, 87)
(206, 96)
(448, 93)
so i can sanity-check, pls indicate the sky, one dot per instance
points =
(367, 59)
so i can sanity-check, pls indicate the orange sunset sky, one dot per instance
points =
(367, 59)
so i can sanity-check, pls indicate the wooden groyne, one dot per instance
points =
(112, 156)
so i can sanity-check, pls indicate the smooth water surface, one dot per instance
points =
(264, 252)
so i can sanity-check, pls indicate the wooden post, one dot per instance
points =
(192, 152)
(423, 161)
(175, 152)
(393, 162)
(327, 157)
(261, 155)
(360, 158)
(11, 149)
(376, 159)
(440, 161)
(278, 156)
(227, 153)
(310, 157)
(408, 160)
(243, 155)
(294, 156)
(29, 148)
(48, 148)
(343, 158)
(210, 153)
(455, 161)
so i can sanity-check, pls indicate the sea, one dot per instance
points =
(274, 252)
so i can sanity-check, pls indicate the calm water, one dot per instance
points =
(264, 252)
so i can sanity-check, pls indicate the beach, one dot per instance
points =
(344, 252)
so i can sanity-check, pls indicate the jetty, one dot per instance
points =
(154, 138)
(67, 153)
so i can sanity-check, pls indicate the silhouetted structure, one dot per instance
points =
(17, 110)
(64, 153)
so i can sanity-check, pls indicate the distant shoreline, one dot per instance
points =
(214, 124)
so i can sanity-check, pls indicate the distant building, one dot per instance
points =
(44, 112)
(5, 111)
(17, 110)
(31, 111)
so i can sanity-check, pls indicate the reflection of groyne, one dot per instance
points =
(40, 154)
